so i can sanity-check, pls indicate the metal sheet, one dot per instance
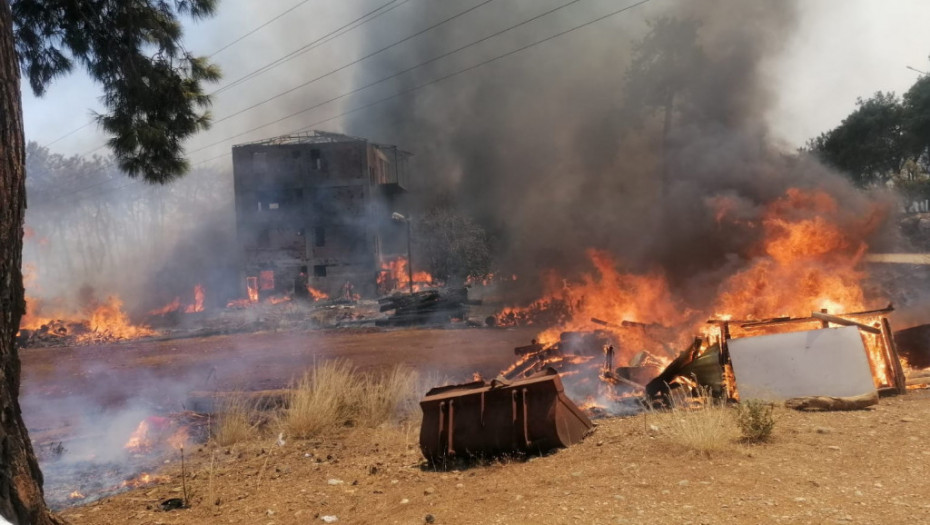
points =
(481, 419)
(826, 362)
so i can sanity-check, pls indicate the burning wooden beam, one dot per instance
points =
(899, 258)
(845, 322)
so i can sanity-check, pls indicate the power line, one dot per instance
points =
(253, 31)
(414, 88)
(305, 84)
(428, 83)
(68, 134)
(434, 59)
(358, 22)
(356, 61)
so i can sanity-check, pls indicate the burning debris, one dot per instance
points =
(426, 307)
(104, 322)
(85, 471)
(396, 275)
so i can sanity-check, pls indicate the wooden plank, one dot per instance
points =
(900, 380)
(833, 403)
(846, 322)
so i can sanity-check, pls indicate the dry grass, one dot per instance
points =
(387, 397)
(236, 423)
(704, 428)
(335, 394)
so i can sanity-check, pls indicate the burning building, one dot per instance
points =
(313, 213)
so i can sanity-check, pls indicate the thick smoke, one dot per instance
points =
(565, 146)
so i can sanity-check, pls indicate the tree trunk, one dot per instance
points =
(21, 497)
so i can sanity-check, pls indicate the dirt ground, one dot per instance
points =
(867, 466)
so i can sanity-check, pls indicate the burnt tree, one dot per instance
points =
(154, 99)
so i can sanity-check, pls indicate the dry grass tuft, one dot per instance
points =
(387, 397)
(704, 429)
(235, 423)
(323, 398)
(335, 394)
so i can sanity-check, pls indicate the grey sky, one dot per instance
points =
(843, 49)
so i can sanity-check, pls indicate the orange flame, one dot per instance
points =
(108, 320)
(145, 479)
(808, 261)
(317, 295)
(197, 306)
(395, 276)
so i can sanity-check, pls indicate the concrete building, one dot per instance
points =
(315, 209)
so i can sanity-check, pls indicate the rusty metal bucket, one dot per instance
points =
(487, 419)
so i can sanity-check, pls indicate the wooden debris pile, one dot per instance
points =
(437, 306)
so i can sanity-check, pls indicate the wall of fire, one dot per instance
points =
(315, 213)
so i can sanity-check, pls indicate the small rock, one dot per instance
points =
(833, 447)
(429, 518)
(329, 519)
(908, 419)
(683, 483)
(823, 430)
(335, 482)
(459, 486)
(878, 485)
(428, 491)
(404, 501)
(269, 512)
(600, 443)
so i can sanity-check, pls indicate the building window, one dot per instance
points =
(319, 236)
(319, 270)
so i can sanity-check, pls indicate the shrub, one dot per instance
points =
(755, 420)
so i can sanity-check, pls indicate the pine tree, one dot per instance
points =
(154, 99)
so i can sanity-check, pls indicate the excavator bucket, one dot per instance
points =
(487, 419)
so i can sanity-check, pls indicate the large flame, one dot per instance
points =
(100, 322)
(806, 259)
(394, 275)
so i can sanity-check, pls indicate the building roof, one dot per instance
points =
(310, 137)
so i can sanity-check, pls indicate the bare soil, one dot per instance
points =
(869, 466)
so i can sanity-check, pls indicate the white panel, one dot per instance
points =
(826, 362)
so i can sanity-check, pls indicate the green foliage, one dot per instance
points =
(884, 139)
(755, 420)
(152, 87)
(870, 144)
(916, 107)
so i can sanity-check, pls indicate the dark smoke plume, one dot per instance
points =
(618, 136)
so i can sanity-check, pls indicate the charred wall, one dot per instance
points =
(315, 206)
